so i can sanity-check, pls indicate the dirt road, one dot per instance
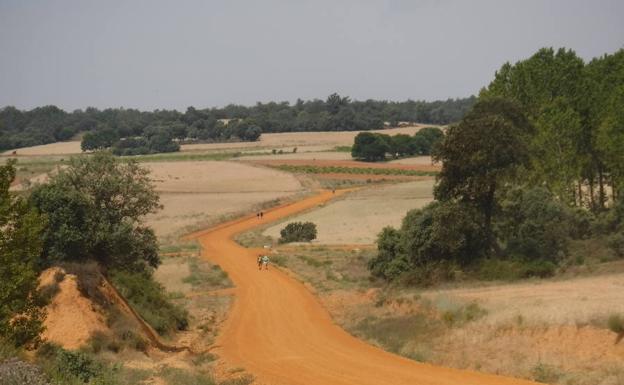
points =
(278, 331)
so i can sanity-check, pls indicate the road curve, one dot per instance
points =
(279, 332)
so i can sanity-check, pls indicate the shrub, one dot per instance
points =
(616, 243)
(534, 226)
(545, 373)
(616, 323)
(149, 299)
(16, 372)
(430, 245)
(74, 367)
(370, 147)
(298, 232)
(184, 377)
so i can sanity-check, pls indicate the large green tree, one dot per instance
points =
(481, 153)
(21, 316)
(95, 208)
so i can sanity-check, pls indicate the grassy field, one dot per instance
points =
(359, 217)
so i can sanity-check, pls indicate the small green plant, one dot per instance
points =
(174, 376)
(545, 373)
(298, 232)
(616, 243)
(149, 299)
(616, 323)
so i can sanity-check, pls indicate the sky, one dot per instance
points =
(153, 54)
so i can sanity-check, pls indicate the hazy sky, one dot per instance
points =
(172, 54)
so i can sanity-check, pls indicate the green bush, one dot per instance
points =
(174, 376)
(512, 269)
(533, 225)
(616, 323)
(298, 232)
(370, 147)
(150, 300)
(616, 243)
(431, 244)
(65, 367)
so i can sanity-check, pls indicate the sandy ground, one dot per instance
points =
(322, 141)
(70, 329)
(196, 193)
(58, 148)
(360, 216)
(280, 333)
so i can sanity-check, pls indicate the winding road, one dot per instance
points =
(279, 332)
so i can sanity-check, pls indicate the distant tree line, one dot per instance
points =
(537, 163)
(147, 131)
(372, 147)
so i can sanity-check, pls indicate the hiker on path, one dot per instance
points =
(265, 262)
(261, 214)
(259, 262)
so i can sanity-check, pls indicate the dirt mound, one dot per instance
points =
(71, 318)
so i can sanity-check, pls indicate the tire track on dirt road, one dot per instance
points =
(279, 332)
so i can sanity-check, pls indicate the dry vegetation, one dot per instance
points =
(374, 209)
(195, 194)
(549, 331)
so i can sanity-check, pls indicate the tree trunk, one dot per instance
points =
(488, 212)
(592, 204)
(580, 193)
(601, 192)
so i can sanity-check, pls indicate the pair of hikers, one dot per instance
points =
(260, 215)
(263, 260)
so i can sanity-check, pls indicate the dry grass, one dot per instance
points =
(360, 216)
(59, 148)
(551, 330)
(202, 193)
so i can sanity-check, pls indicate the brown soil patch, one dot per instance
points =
(71, 318)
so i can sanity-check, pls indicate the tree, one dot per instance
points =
(21, 316)
(401, 145)
(533, 225)
(95, 207)
(298, 232)
(102, 138)
(480, 153)
(430, 241)
(426, 139)
(556, 160)
(610, 139)
(370, 147)
(252, 133)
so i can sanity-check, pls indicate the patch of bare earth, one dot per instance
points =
(71, 318)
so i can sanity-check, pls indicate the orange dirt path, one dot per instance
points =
(278, 331)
